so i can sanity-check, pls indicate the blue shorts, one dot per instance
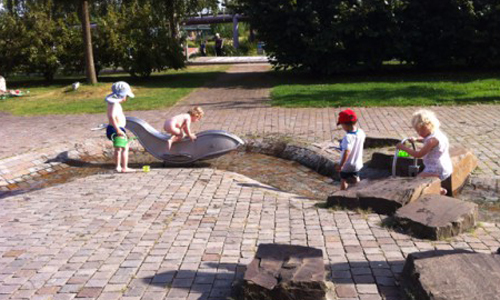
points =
(349, 175)
(110, 130)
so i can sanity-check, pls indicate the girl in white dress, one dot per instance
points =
(435, 152)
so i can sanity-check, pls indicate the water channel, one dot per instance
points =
(275, 172)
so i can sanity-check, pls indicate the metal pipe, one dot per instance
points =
(395, 159)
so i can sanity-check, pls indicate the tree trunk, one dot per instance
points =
(174, 32)
(87, 40)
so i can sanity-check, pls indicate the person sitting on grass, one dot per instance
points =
(180, 125)
(117, 122)
(351, 160)
(435, 152)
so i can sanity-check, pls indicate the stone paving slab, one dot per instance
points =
(437, 217)
(452, 275)
(238, 101)
(188, 234)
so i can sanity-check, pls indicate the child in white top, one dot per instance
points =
(351, 160)
(435, 152)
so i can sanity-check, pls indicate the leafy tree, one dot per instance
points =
(71, 58)
(146, 38)
(438, 33)
(108, 41)
(12, 44)
(324, 36)
(328, 36)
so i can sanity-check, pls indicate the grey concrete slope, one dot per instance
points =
(209, 143)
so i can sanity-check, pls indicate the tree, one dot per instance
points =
(146, 38)
(65, 6)
(12, 45)
(87, 40)
(43, 40)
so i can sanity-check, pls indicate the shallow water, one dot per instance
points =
(277, 173)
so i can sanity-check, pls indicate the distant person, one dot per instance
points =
(219, 43)
(351, 159)
(3, 85)
(435, 152)
(203, 48)
(180, 125)
(117, 122)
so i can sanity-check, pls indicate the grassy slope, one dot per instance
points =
(160, 90)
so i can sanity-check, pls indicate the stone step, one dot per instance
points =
(384, 196)
(451, 275)
(286, 272)
(437, 217)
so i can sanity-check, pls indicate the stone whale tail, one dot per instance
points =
(209, 143)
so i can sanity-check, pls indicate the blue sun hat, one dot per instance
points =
(119, 90)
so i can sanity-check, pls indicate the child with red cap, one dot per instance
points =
(351, 160)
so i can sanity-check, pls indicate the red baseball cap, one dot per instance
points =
(346, 116)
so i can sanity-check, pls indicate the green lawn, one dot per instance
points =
(395, 90)
(161, 90)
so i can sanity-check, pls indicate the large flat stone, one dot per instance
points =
(464, 162)
(384, 196)
(436, 217)
(286, 272)
(451, 275)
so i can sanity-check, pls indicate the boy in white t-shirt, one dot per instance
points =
(351, 160)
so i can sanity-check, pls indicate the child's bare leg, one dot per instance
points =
(125, 160)
(118, 154)
(343, 184)
(175, 132)
(443, 191)
(173, 139)
(170, 142)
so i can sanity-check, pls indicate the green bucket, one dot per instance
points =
(402, 153)
(119, 141)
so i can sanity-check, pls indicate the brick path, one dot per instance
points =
(238, 101)
(187, 234)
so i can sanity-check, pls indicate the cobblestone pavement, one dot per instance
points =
(188, 234)
(238, 101)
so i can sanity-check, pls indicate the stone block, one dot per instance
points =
(320, 157)
(437, 217)
(286, 272)
(384, 196)
(381, 160)
(464, 162)
(451, 275)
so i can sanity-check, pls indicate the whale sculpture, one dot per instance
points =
(208, 144)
